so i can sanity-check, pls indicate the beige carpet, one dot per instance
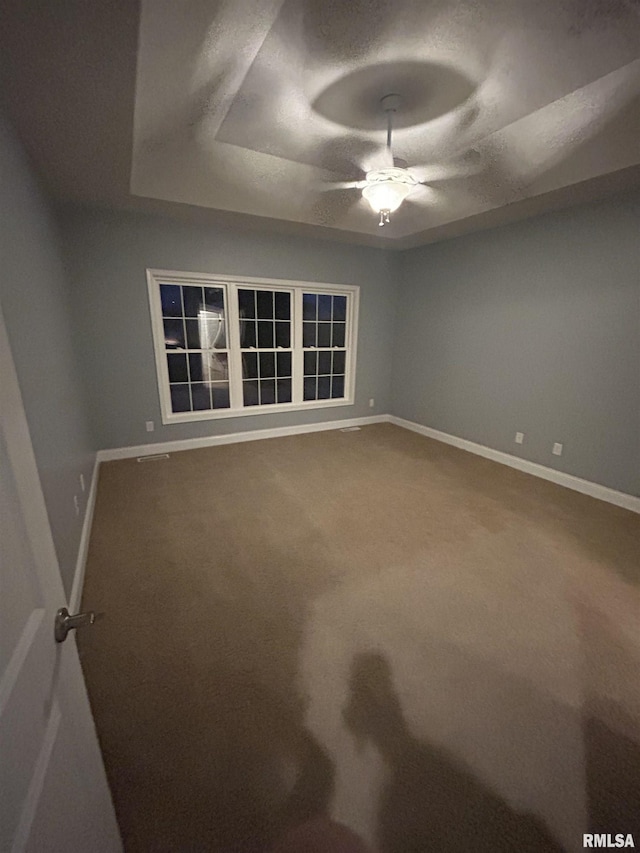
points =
(435, 650)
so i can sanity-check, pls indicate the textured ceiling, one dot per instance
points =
(256, 106)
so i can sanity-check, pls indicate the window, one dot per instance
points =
(227, 346)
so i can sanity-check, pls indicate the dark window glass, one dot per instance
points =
(267, 365)
(284, 390)
(171, 300)
(283, 335)
(284, 363)
(309, 392)
(173, 334)
(201, 396)
(324, 362)
(267, 392)
(338, 334)
(193, 334)
(220, 396)
(247, 333)
(338, 362)
(310, 363)
(214, 298)
(340, 308)
(247, 303)
(193, 300)
(177, 363)
(324, 307)
(195, 366)
(250, 365)
(265, 304)
(337, 386)
(180, 401)
(215, 366)
(324, 387)
(250, 393)
(309, 306)
(283, 306)
(265, 334)
(308, 334)
(324, 334)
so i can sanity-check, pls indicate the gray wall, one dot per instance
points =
(533, 327)
(34, 298)
(108, 254)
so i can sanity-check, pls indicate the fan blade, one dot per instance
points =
(341, 185)
(447, 170)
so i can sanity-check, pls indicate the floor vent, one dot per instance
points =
(153, 458)
(350, 429)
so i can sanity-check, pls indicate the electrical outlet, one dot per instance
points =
(82, 482)
(372, 403)
(519, 437)
(150, 426)
(557, 449)
(76, 504)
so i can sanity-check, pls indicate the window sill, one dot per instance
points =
(190, 417)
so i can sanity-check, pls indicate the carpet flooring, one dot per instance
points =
(437, 651)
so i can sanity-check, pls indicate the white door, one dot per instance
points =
(53, 789)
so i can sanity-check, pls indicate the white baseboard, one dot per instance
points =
(586, 487)
(232, 438)
(81, 563)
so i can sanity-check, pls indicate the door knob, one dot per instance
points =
(64, 622)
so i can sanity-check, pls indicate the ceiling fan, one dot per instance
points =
(391, 182)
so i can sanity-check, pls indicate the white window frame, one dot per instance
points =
(231, 283)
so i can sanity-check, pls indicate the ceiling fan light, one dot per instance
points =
(386, 195)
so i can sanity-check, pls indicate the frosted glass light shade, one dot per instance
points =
(386, 195)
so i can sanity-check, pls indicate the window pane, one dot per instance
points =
(214, 299)
(267, 392)
(247, 303)
(177, 363)
(250, 365)
(309, 389)
(180, 400)
(324, 307)
(340, 308)
(193, 334)
(201, 396)
(215, 366)
(265, 334)
(309, 306)
(220, 395)
(195, 366)
(267, 365)
(338, 362)
(324, 387)
(338, 334)
(337, 386)
(173, 334)
(308, 334)
(284, 390)
(211, 327)
(310, 363)
(250, 393)
(283, 335)
(264, 299)
(193, 300)
(284, 363)
(324, 362)
(324, 334)
(171, 300)
(247, 333)
(283, 306)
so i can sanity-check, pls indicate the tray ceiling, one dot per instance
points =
(256, 106)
